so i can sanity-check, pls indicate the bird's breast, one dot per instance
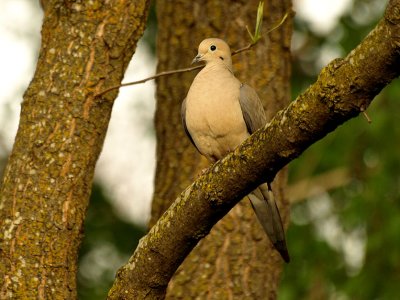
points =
(214, 117)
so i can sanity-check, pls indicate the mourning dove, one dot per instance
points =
(218, 114)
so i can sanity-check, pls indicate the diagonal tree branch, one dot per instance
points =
(343, 89)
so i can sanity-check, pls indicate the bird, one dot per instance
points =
(218, 114)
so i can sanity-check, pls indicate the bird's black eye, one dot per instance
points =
(212, 47)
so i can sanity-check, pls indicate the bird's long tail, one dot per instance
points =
(263, 202)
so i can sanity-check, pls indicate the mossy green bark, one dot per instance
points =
(344, 89)
(86, 46)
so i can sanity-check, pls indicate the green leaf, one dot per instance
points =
(257, 32)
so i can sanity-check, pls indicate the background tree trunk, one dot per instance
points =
(235, 259)
(48, 178)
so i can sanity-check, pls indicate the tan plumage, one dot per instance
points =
(218, 114)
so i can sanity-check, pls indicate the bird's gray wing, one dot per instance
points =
(183, 118)
(252, 109)
(262, 199)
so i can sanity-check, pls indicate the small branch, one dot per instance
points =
(255, 38)
(364, 112)
(248, 47)
(165, 73)
(367, 117)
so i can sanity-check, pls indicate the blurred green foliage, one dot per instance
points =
(108, 243)
(345, 243)
(149, 36)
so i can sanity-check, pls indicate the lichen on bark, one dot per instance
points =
(343, 89)
(48, 177)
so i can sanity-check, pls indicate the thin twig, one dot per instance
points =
(165, 73)
(248, 47)
(367, 117)
(149, 78)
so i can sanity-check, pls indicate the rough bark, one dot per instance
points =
(237, 255)
(47, 182)
(343, 89)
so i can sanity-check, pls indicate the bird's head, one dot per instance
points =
(214, 50)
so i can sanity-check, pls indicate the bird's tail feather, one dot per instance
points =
(263, 202)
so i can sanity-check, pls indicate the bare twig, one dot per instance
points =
(366, 116)
(165, 73)
(364, 112)
(149, 78)
(248, 47)
(255, 38)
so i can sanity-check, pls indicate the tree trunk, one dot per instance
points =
(236, 259)
(86, 46)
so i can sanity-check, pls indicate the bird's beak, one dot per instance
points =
(199, 57)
